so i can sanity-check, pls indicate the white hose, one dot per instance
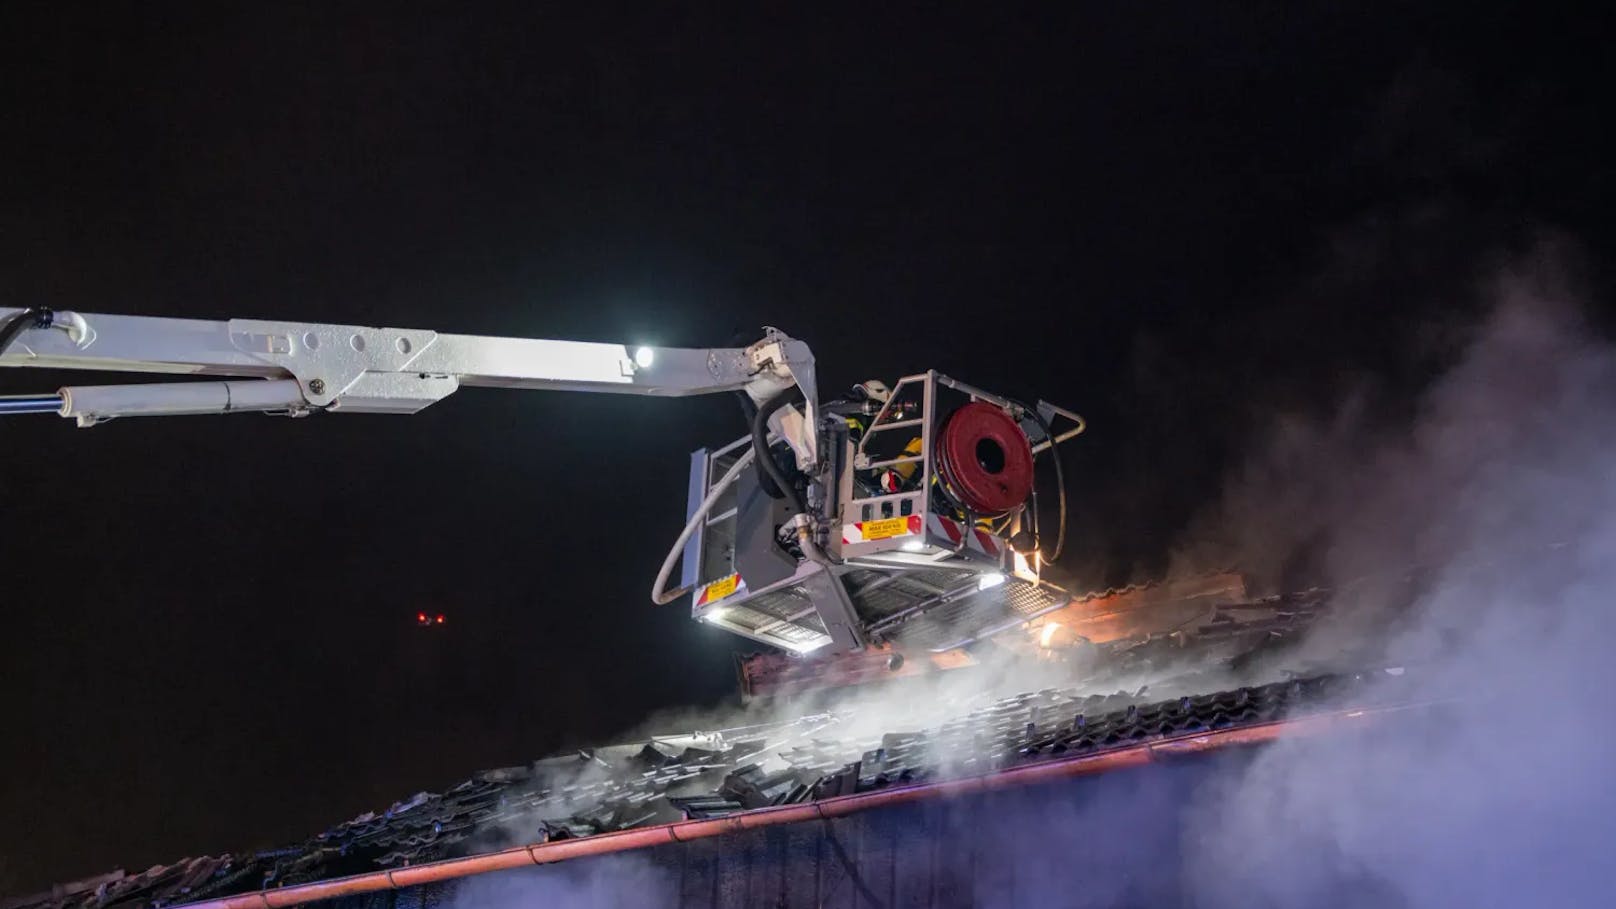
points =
(658, 595)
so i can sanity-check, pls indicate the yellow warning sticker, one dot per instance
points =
(886, 528)
(721, 588)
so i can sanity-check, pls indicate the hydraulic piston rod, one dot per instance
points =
(30, 404)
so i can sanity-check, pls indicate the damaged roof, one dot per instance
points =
(704, 775)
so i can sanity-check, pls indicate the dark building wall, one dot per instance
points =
(1100, 841)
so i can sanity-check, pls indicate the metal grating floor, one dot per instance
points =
(780, 614)
(976, 615)
(877, 596)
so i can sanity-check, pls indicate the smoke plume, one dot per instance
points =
(1476, 548)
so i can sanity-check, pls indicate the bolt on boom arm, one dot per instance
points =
(300, 367)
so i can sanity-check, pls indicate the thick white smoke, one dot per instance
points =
(1504, 497)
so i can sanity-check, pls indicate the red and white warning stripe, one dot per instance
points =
(721, 588)
(952, 530)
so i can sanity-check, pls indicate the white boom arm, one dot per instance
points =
(297, 368)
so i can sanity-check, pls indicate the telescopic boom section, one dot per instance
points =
(299, 367)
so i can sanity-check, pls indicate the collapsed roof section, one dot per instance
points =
(1193, 647)
(716, 775)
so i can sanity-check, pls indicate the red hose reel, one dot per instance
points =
(984, 460)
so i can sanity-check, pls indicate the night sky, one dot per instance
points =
(1181, 220)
